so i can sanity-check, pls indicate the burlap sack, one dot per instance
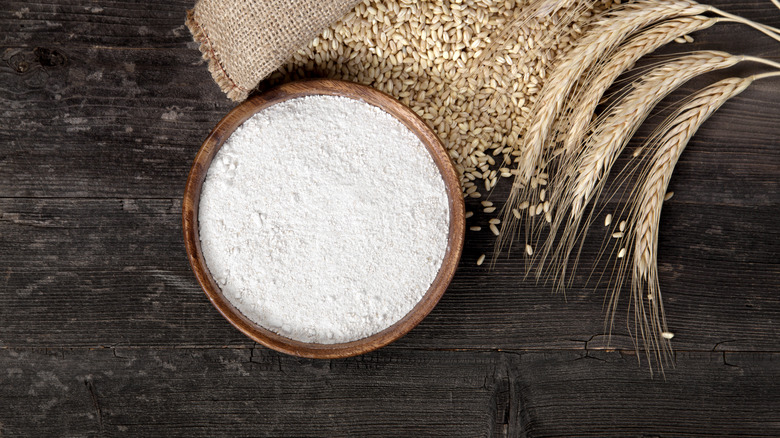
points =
(246, 40)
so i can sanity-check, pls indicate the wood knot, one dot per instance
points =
(49, 58)
(24, 61)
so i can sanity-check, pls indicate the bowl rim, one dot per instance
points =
(291, 90)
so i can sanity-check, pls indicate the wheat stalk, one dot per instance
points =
(582, 180)
(611, 134)
(584, 104)
(606, 34)
(644, 215)
(601, 40)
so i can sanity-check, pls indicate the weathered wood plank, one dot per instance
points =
(71, 266)
(240, 392)
(207, 392)
(133, 113)
(149, 24)
(706, 395)
(101, 272)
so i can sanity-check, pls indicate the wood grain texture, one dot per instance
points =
(708, 394)
(105, 331)
(254, 391)
(240, 392)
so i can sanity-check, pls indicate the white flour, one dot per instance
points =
(324, 219)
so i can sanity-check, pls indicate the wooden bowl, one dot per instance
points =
(239, 115)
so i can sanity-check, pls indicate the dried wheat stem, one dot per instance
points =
(770, 31)
(763, 61)
(619, 125)
(647, 200)
(771, 74)
(582, 180)
(583, 106)
(607, 33)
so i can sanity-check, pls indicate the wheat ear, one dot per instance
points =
(584, 104)
(582, 180)
(641, 250)
(612, 132)
(582, 107)
(602, 38)
(606, 34)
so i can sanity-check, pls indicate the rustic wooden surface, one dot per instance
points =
(104, 330)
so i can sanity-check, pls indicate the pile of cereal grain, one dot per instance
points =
(471, 68)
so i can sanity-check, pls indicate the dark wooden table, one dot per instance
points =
(104, 330)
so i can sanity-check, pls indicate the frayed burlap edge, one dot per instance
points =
(234, 91)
